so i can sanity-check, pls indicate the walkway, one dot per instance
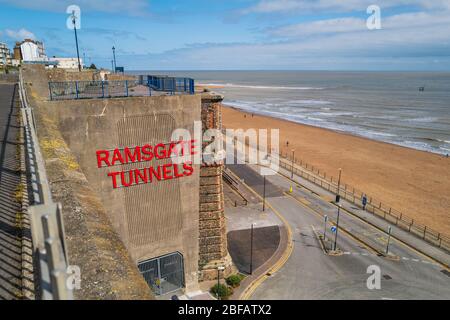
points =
(10, 233)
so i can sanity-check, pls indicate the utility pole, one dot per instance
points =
(337, 228)
(74, 20)
(293, 157)
(325, 229)
(112, 65)
(338, 196)
(114, 56)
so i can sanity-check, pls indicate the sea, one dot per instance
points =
(410, 109)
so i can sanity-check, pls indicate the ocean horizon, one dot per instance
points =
(380, 105)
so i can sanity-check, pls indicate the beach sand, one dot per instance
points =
(413, 182)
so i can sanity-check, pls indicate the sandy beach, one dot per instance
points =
(414, 182)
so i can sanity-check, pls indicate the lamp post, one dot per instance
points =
(218, 280)
(293, 157)
(112, 65)
(325, 229)
(114, 56)
(337, 228)
(251, 249)
(74, 20)
(264, 195)
(338, 197)
(389, 239)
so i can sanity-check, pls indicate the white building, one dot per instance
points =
(5, 55)
(30, 51)
(67, 63)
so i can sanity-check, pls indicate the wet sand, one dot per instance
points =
(414, 182)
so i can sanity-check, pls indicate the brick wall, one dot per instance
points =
(212, 231)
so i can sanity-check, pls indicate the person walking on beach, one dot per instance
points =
(364, 201)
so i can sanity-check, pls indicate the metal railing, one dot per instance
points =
(47, 227)
(374, 206)
(143, 86)
(168, 84)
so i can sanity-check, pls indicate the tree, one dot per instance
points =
(93, 66)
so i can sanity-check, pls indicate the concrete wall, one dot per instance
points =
(152, 219)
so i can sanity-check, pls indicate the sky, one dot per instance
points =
(410, 35)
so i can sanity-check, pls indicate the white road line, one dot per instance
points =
(415, 260)
(365, 254)
(427, 262)
(404, 258)
(347, 252)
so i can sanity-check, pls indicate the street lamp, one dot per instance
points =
(114, 56)
(337, 228)
(338, 197)
(389, 239)
(264, 195)
(293, 157)
(218, 280)
(251, 249)
(74, 20)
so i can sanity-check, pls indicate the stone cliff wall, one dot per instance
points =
(212, 231)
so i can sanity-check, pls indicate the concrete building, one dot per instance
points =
(67, 63)
(5, 55)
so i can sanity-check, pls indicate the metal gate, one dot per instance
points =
(164, 274)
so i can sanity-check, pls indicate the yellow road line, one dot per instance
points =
(406, 245)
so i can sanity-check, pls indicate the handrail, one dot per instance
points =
(47, 227)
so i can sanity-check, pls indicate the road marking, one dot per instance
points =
(364, 254)
(346, 252)
(415, 260)
(405, 258)
(401, 242)
(246, 294)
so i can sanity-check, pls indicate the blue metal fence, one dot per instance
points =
(143, 86)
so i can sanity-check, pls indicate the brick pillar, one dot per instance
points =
(212, 237)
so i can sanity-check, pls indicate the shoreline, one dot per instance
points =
(353, 134)
(384, 170)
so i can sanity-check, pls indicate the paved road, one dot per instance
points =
(10, 245)
(311, 274)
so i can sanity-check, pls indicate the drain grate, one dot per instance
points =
(387, 277)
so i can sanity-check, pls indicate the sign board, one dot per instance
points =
(333, 229)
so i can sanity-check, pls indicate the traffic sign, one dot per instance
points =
(333, 229)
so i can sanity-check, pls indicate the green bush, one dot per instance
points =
(234, 280)
(224, 291)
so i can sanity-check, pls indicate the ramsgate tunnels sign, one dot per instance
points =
(180, 152)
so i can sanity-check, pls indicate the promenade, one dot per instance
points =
(10, 232)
